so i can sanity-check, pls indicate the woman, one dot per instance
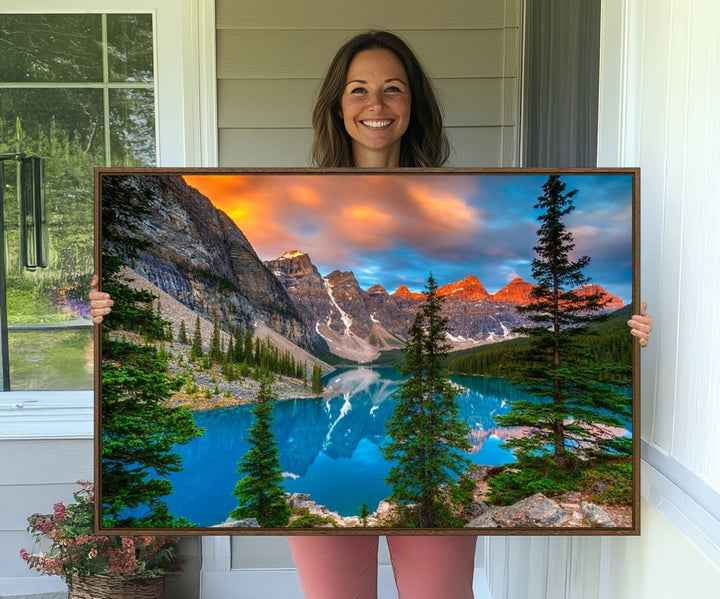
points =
(376, 108)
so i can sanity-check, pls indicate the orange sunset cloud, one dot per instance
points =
(333, 215)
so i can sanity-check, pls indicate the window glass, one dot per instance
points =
(77, 103)
(37, 48)
(132, 127)
(130, 44)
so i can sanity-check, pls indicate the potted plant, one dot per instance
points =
(98, 566)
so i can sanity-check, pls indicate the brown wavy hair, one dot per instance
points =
(424, 144)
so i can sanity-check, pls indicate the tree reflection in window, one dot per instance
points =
(77, 90)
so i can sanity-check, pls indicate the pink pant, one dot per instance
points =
(425, 567)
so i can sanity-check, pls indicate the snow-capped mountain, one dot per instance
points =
(357, 324)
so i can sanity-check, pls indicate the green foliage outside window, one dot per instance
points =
(63, 118)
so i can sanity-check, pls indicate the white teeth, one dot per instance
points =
(376, 123)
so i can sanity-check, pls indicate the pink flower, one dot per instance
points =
(24, 555)
(121, 562)
(59, 512)
(128, 542)
(44, 526)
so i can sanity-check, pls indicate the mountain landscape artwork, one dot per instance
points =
(357, 352)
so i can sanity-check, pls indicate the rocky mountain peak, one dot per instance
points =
(516, 291)
(403, 292)
(469, 289)
(613, 302)
(292, 254)
(294, 263)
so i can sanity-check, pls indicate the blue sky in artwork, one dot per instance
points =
(395, 229)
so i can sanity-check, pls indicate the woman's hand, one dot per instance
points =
(100, 303)
(641, 325)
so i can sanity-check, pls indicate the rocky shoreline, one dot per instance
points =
(237, 393)
(570, 510)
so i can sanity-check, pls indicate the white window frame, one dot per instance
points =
(186, 115)
(186, 133)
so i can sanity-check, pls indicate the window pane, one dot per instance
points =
(51, 360)
(53, 121)
(50, 48)
(66, 127)
(132, 127)
(130, 44)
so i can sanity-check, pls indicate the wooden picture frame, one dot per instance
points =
(425, 346)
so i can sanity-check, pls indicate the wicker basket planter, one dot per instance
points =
(116, 587)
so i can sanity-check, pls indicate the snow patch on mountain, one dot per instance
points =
(347, 321)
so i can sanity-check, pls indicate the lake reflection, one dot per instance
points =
(329, 448)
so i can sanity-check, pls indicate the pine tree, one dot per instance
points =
(182, 334)
(573, 403)
(238, 355)
(427, 435)
(248, 343)
(317, 384)
(139, 431)
(230, 352)
(215, 353)
(260, 492)
(196, 350)
(364, 514)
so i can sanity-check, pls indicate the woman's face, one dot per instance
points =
(375, 107)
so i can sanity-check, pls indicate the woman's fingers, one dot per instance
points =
(641, 325)
(100, 302)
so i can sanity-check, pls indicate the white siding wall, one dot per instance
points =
(660, 84)
(271, 57)
(43, 452)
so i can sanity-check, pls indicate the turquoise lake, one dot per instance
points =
(329, 448)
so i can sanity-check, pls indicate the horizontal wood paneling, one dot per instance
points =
(470, 146)
(510, 99)
(475, 102)
(288, 103)
(513, 12)
(510, 146)
(265, 147)
(271, 58)
(377, 14)
(253, 54)
(266, 103)
(511, 66)
(11, 565)
(40, 462)
(35, 475)
(475, 146)
(19, 501)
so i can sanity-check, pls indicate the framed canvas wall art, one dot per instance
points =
(406, 351)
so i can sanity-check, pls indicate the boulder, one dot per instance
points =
(596, 516)
(532, 512)
(244, 523)
(474, 510)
